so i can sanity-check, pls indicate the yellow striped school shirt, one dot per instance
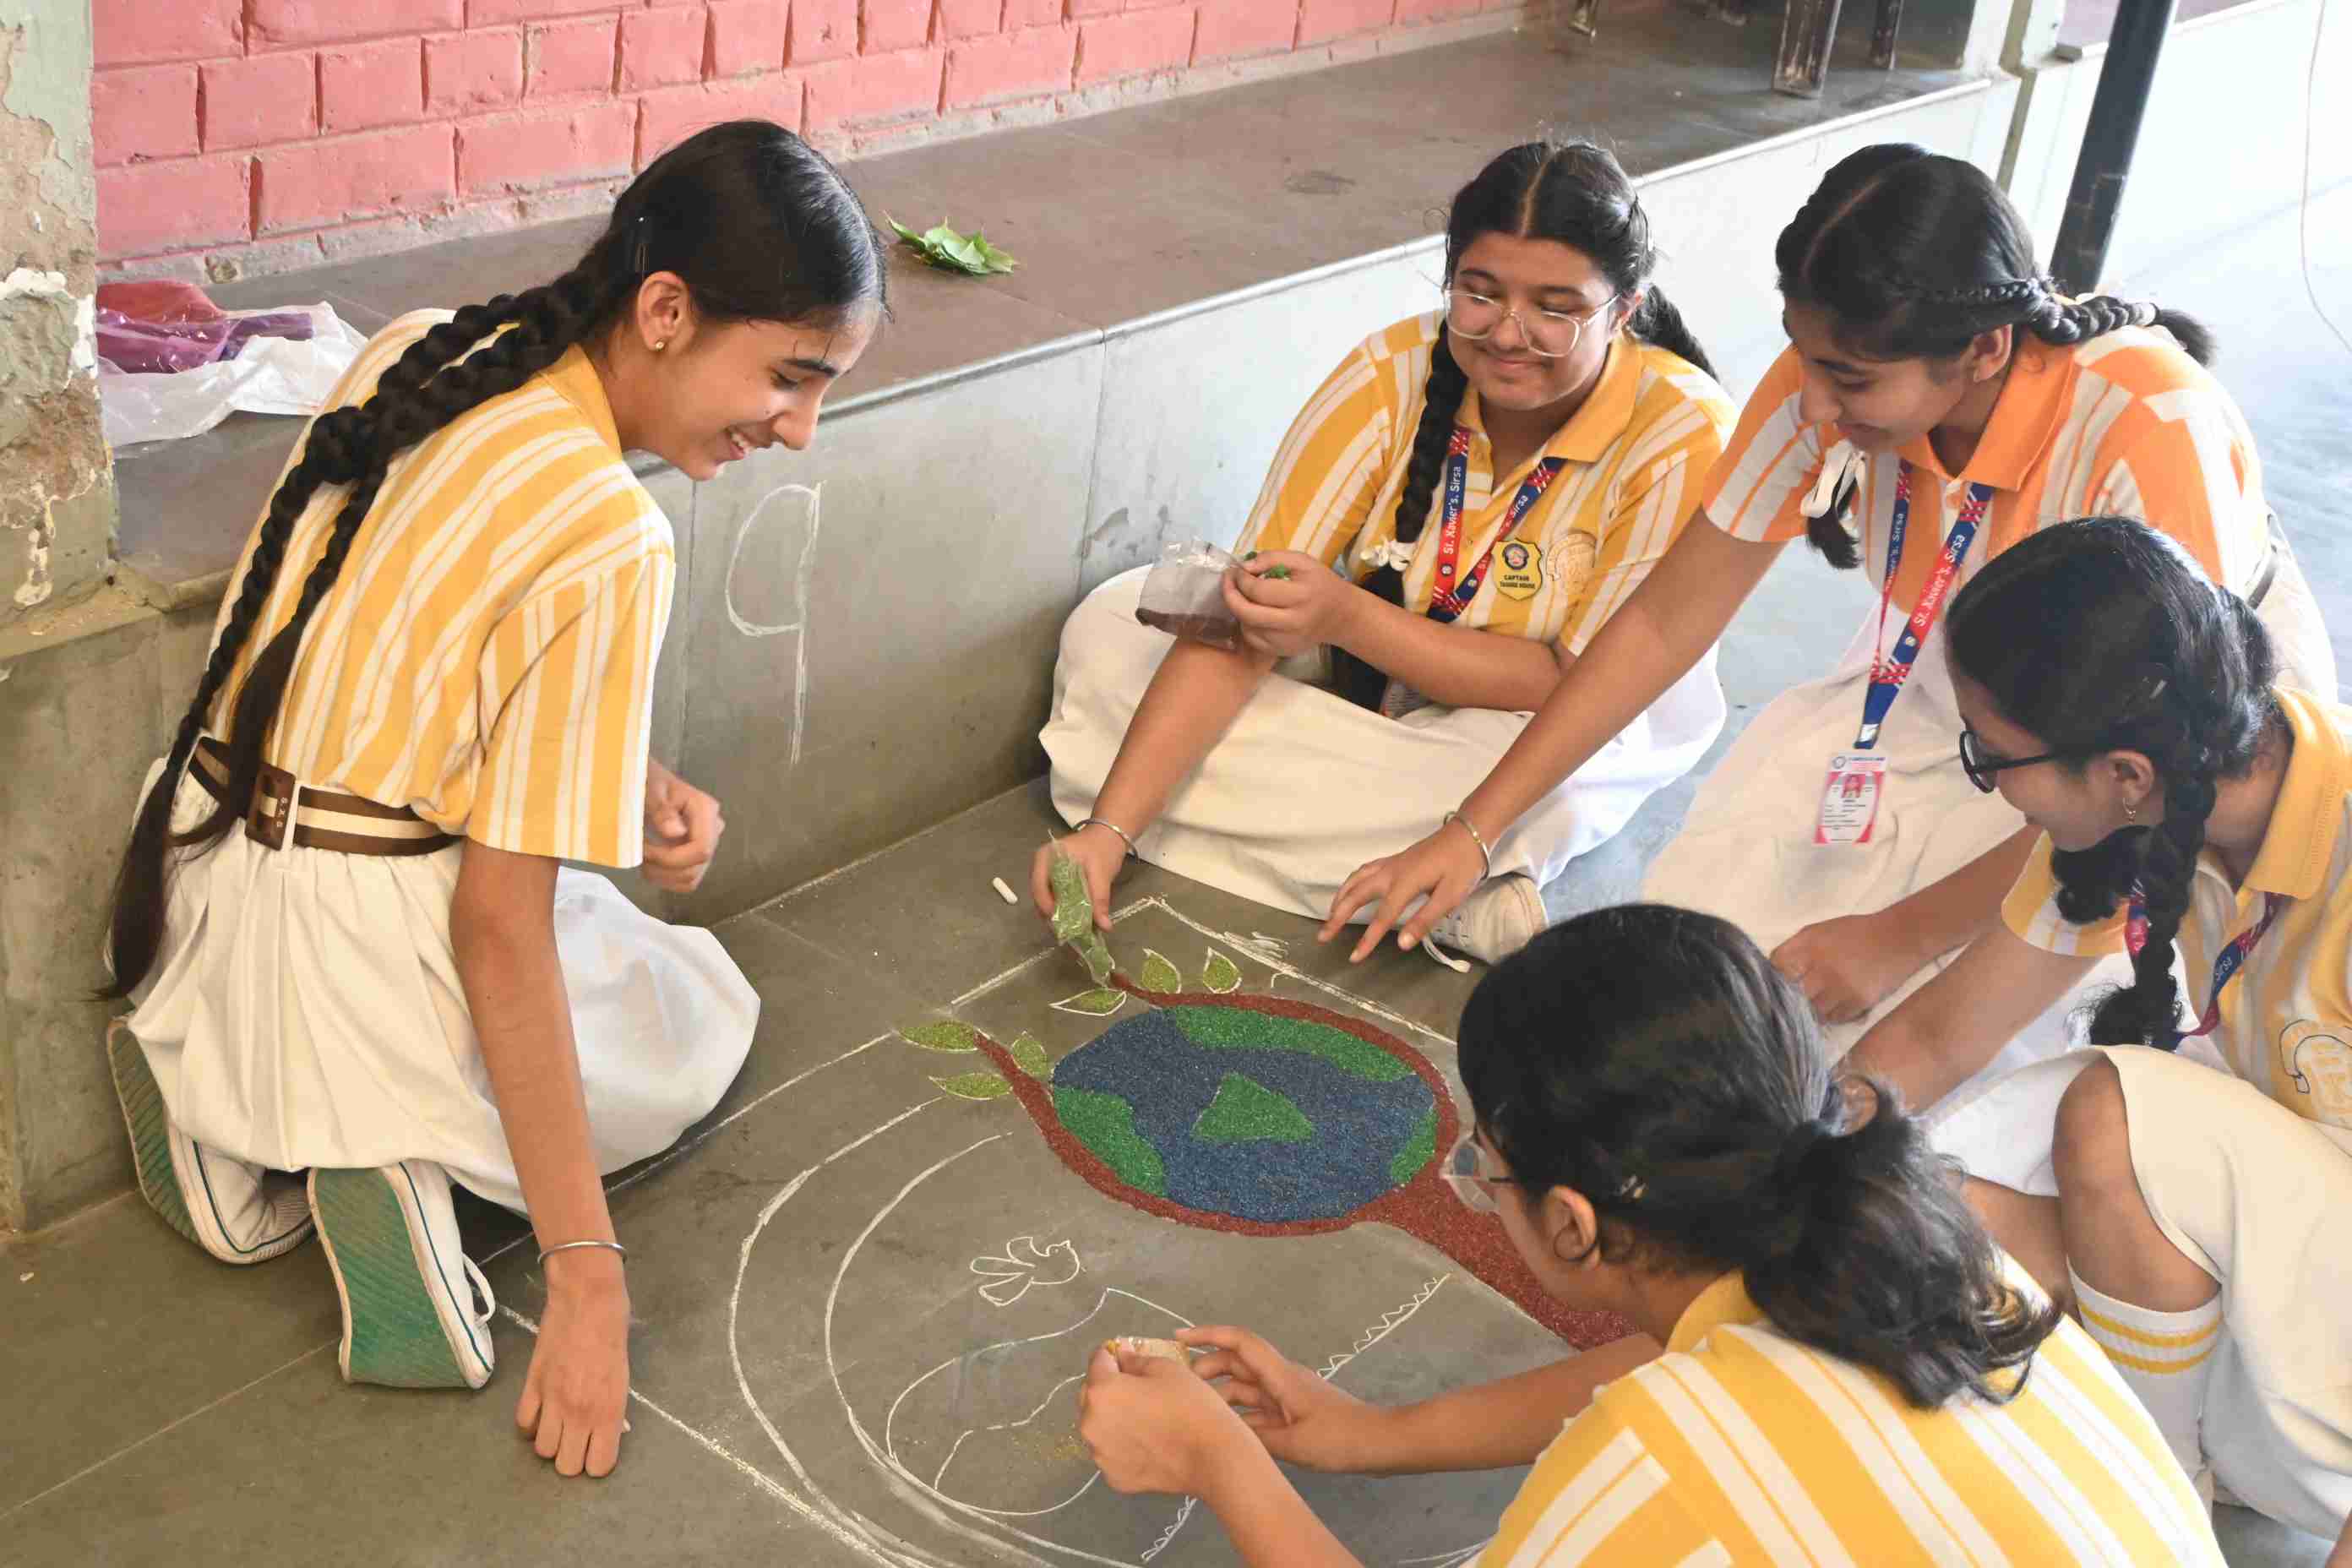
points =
(1637, 452)
(1740, 1445)
(485, 657)
(2126, 425)
(2286, 1019)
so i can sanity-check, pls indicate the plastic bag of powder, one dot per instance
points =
(1074, 917)
(1185, 596)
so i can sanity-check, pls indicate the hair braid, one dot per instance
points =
(434, 381)
(2148, 1011)
(1361, 683)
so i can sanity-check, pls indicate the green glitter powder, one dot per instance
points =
(1105, 1124)
(1243, 1029)
(1030, 1057)
(1074, 918)
(1159, 976)
(1220, 975)
(943, 1036)
(1278, 573)
(1248, 1112)
(1417, 1154)
(975, 1085)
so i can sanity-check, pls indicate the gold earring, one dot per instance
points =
(2131, 812)
(661, 345)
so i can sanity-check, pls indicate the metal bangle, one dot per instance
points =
(569, 1246)
(1484, 853)
(1114, 827)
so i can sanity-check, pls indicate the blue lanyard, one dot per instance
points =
(1887, 673)
(1448, 598)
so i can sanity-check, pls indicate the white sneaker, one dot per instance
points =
(410, 1319)
(238, 1212)
(1495, 920)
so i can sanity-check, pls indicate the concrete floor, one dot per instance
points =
(808, 1253)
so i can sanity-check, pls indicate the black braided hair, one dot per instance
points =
(1572, 192)
(2102, 636)
(1654, 1060)
(755, 223)
(1914, 256)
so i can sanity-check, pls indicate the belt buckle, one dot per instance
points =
(270, 823)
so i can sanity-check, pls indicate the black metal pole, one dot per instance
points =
(2104, 162)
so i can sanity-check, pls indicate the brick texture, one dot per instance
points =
(244, 133)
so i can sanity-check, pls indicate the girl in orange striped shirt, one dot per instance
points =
(430, 684)
(1455, 513)
(1933, 375)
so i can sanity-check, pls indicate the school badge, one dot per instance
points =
(2316, 1059)
(1519, 568)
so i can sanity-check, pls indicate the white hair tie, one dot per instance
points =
(1394, 553)
(1842, 463)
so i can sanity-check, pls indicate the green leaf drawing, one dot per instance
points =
(1031, 1057)
(1099, 1003)
(944, 248)
(975, 1085)
(1220, 975)
(945, 1035)
(1159, 977)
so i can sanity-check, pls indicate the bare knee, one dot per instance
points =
(2092, 1150)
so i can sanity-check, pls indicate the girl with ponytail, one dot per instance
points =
(2178, 791)
(341, 920)
(1660, 1134)
(1452, 517)
(1934, 378)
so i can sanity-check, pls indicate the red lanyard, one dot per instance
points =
(1887, 673)
(1449, 596)
(2226, 964)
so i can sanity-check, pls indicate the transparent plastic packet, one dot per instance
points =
(1184, 595)
(1074, 917)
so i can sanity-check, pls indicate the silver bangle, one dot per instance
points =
(1114, 827)
(569, 1246)
(1484, 853)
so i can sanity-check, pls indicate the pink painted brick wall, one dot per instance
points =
(237, 135)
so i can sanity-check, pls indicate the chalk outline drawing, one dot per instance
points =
(847, 1526)
(803, 580)
(1027, 1273)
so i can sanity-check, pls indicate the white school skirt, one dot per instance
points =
(1307, 786)
(307, 1012)
(1747, 852)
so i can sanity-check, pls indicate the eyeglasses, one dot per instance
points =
(1548, 334)
(1465, 1173)
(1980, 764)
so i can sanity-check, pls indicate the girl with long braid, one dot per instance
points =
(2189, 1181)
(341, 918)
(1455, 514)
(1939, 401)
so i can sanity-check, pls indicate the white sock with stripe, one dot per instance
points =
(2166, 1358)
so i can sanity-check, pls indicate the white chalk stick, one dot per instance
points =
(1006, 893)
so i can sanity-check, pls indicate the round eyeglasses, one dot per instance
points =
(1548, 334)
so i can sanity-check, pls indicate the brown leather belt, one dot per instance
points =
(346, 824)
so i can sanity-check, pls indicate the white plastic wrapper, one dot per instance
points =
(1184, 595)
(269, 375)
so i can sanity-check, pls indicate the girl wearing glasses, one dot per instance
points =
(1455, 514)
(1851, 1372)
(1939, 403)
(2202, 1219)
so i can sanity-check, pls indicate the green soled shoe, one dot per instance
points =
(237, 1212)
(408, 1290)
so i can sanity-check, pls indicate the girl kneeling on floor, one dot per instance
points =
(1465, 501)
(2203, 1215)
(1852, 1371)
(342, 916)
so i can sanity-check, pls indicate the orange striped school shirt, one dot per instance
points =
(2126, 425)
(1637, 453)
(1741, 1446)
(485, 657)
